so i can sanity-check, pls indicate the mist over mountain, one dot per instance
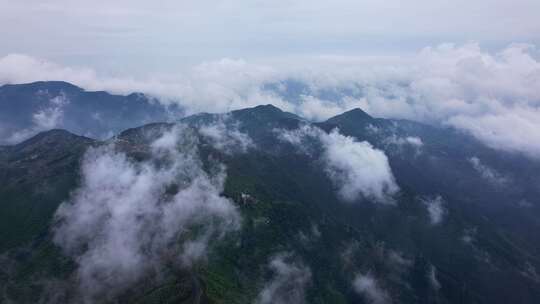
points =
(28, 109)
(269, 152)
(256, 205)
(478, 90)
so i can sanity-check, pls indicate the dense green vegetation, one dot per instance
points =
(292, 207)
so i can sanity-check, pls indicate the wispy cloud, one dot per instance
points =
(461, 86)
(357, 169)
(49, 116)
(489, 174)
(128, 219)
(224, 135)
(367, 286)
(435, 208)
(289, 281)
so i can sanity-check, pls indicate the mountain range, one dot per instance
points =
(258, 205)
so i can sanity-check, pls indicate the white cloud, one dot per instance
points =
(367, 286)
(414, 141)
(514, 129)
(125, 222)
(356, 168)
(488, 173)
(316, 109)
(44, 119)
(435, 209)
(432, 276)
(288, 283)
(397, 261)
(226, 137)
(454, 85)
(400, 142)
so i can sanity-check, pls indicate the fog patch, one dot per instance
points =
(315, 109)
(432, 277)
(397, 262)
(47, 118)
(289, 281)
(488, 173)
(469, 236)
(357, 169)
(369, 288)
(226, 137)
(129, 219)
(413, 141)
(435, 209)
(408, 142)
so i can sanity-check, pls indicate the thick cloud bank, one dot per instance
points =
(492, 95)
(288, 284)
(357, 169)
(128, 219)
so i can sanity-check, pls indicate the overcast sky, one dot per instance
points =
(473, 65)
(153, 36)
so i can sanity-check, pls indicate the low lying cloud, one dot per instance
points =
(432, 276)
(289, 282)
(462, 86)
(316, 109)
(400, 143)
(397, 262)
(128, 219)
(488, 173)
(356, 168)
(413, 141)
(435, 209)
(368, 287)
(226, 137)
(48, 117)
(208, 87)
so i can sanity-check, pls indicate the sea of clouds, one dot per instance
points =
(492, 95)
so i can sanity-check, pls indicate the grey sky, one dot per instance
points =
(473, 65)
(141, 36)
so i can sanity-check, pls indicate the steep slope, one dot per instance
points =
(482, 249)
(35, 176)
(27, 109)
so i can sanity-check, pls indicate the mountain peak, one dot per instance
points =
(268, 108)
(264, 112)
(55, 139)
(42, 85)
(353, 115)
(53, 136)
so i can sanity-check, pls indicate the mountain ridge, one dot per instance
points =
(464, 213)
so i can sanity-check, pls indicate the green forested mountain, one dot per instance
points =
(261, 206)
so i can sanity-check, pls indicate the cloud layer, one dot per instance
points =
(123, 33)
(489, 174)
(128, 219)
(224, 135)
(491, 95)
